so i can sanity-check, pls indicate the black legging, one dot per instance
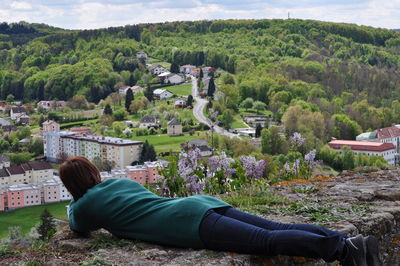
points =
(228, 229)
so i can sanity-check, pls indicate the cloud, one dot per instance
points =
(89, 14)
(20, 5)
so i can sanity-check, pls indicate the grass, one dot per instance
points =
(186, 113)
(152, 60)
(182, 89)
(251, 111)
(237, 122)
(78, 123)
(28, 217)
(163, 142)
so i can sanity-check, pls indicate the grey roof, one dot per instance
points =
(174, 122)
(18, 109)
(3, 172)
(198, 142)
(4, 122)
(148, 119)
(4, 158)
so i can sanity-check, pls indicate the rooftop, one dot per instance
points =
(104, 139)
(387, 132)
(361, 145)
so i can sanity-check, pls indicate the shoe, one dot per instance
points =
(356, 251)
(372, 251)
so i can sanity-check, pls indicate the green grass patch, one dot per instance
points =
(163, 142)
(238, 122)
(251, 111)
(28, 217)
(182, 89)
(186, 113)
(78, 123)
(152, 60)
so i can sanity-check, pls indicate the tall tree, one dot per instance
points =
(174, 68)
(189, 101)
(201, 75)
(272, 142)
(128, 99)
(258, 131)
(148, 153)
(148, 93)
(107, 110)
(211, 88)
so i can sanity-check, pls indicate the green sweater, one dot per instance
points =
(128, 210)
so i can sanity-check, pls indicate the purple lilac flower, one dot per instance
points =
(310, 157)
(296, 140)
(287, 167)
(214, 115)
(253, 168)
(188, 162)
(296, 167)
(220, 162)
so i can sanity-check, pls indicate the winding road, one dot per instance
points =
(200, 104)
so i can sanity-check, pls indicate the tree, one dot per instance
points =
(107, 110)
(148, 153)
(148, 93)
(174, 68)
(189, 101)
(201, 75)
(106, 120)
(119, 115)
(272, 142)
(47, 227)
(128, 99)
(259, 106)
(10, 98)
(247, 103)
(226, 118)
(211, 88)
(136, 105)
(78, 102)
(36, 146)
(258, 131)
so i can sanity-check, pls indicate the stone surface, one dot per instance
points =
(367, 203)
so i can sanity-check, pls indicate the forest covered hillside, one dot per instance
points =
(347, 73)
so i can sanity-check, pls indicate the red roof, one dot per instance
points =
(361, 145)
(387, 132)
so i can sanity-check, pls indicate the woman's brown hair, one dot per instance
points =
(78, 175)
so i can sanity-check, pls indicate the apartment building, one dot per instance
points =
(369, 148)
(30, 172)
(121, 152)
(2, 203)
(51, 191)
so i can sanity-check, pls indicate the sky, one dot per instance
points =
(90, 14)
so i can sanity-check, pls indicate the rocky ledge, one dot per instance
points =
(354, 202)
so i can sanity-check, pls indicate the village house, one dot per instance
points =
(132, 124)
(171, 78)
(124, 89)
(23, 119)
(47, 105)
(254, 120)
(149, 121)
(174, 128)
(156, 69)
(161, 94)
(200, 144)
(187, 69)
(15, 112)
(141, 56)
(369, 148)
(208, 71)
(4, 122)
(50, 126)
(180, 103)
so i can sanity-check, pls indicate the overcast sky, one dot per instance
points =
(85, 14)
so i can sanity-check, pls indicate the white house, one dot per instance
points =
(174, 79)
(187, 69)
(180, 103)
(149, 121)
(16, 112)
(156, 69)
(162, 94)
(369, 148)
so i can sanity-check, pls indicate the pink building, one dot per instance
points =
(2, 204)
(51, 191)
(152, 170)
(15, 197)
(31, 195)
(138, 173)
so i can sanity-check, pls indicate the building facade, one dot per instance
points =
(369, 148)
(120, 152)
(50, 126)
